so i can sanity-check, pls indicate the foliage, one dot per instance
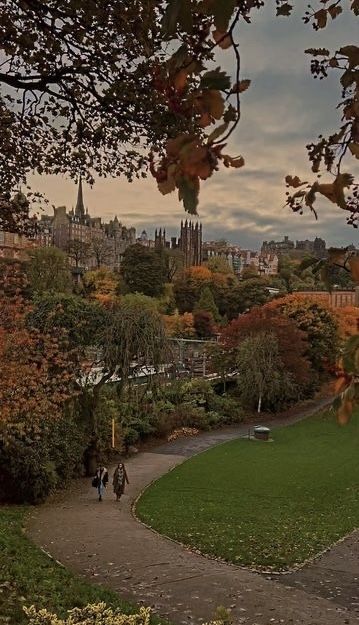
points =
(99, 613)
(318, 322)
(155, 100)
(180, 325)
(253, 292)
(206, 303)
(292, 342)
(204, 324)
(263, 379)
(101, 284)
(34, 464)
(32, 578)
(211, 502)
(81, 319)
(143, 270)
(218, 264)
(348, 321)
(48, 270)
(38, 365)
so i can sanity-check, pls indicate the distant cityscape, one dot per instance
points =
(106, 243)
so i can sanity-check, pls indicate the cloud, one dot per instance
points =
(283, 110)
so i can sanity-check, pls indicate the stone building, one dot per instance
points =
(106, 242)
(316, 247)
(265, 263)
(189, 242)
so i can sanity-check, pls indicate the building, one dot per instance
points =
(317, 247)
(106, 242)
(14, 246)
(265, 264)
(189, 242)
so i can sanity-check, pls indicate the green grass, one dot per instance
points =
(29, 577)
(270, 505)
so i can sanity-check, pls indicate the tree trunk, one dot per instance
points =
(259, 403)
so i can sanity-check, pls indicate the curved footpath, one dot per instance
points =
(104, 542)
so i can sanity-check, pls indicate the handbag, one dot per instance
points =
(95, 481)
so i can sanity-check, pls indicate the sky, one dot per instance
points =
(284, 109)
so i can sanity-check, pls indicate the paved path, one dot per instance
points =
(106, 544)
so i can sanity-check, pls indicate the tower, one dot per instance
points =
(80, 208)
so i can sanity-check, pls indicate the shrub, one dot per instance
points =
(99, 614)
(33, 466)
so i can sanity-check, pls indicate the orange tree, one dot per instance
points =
(318, 321)
(38, 379)
(292, 342)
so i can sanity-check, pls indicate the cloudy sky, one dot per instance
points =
(284, 109)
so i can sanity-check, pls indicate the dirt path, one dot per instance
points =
(104, 542)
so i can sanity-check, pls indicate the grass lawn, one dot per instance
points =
(28, 576)
(270, 505)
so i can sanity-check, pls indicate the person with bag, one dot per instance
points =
(100, 481)
(119, 480)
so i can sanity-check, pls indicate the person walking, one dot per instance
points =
(119, 480)
(101, 480)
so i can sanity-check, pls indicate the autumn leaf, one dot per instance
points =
(223, 40)
(222, 13)
(241, 86)
(294, 181)
(188, 191)
(213, 103)
(229, 161)
(205, 120)
(334, 11)
(321, 18)
(284, 10)
(355, 7)
(352, 54)
(354, 148)
(180, 80)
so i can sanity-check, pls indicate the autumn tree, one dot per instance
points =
(180, 326)
(318, 322)
(101, 284)
(170, 111)
(293, 346)
(143, 271)
(263, 380)
(48, 270)
(204, 324)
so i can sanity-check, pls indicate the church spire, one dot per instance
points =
(80, 208)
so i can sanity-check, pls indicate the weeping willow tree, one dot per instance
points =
(133, 334)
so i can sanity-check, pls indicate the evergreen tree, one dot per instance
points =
(206, 303)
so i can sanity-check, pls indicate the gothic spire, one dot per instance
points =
(80, 208)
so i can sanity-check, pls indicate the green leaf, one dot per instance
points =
(188, 193)
(222, 13)
(215, 79)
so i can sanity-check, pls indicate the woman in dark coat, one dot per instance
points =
(119, 480)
